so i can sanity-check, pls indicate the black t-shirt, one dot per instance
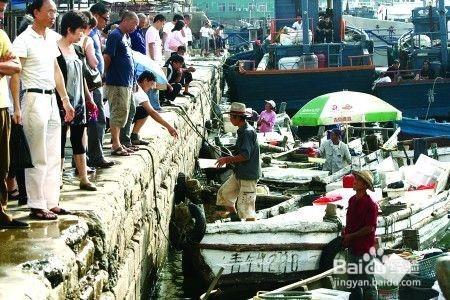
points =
(427, 74)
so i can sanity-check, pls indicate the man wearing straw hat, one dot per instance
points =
(359, 236)
(239, 191)
(335, 152)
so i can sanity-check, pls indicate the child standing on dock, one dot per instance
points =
(267, 117)
(359, 236)
(239, 191)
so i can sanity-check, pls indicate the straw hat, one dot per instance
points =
(238, 109)
(367, 176)
(272, 103)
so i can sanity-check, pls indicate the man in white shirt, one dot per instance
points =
(153, 41)
(335, 152)
(170, 25)
(298, 24)
(36, 47)
(206, 32)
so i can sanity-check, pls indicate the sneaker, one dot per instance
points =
(103, 164)
(139, 142)
(136, 140)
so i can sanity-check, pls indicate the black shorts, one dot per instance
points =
(141, 113)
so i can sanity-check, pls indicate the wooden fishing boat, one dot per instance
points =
(285, 244)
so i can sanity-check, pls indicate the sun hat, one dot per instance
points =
(238, 109)
(271, 102)
(336, 131)
(367, 176)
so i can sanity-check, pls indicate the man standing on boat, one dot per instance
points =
(335, 152)
(239, 191)
(359, 237)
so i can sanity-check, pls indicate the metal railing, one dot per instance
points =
(385, 35)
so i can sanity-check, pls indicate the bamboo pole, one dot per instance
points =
(213, 284)
(304, 281)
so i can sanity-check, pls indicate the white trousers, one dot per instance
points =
(42, 127)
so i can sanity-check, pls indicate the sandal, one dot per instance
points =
(131, 147)
(45, 215)
(14, 224)
(60, 211)
(14, 194)
(120, 151)
(129, 150)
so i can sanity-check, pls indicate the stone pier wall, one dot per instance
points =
(118, 238)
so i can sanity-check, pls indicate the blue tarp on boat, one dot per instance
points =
(423, 128)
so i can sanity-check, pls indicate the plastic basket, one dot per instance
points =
(387, 292)
(427, 267)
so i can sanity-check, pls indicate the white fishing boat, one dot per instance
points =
(286, 244)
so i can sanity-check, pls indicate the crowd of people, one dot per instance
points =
(53, 83)
(211, 38)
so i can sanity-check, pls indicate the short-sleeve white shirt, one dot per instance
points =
(168, 27)
(206, 31)
(152, 36)
(298, 26)
(38, 71)
(140, 97)
(188, 34)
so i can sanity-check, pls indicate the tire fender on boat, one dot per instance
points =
(187, 225)
(198, 232)
(328, 254)
(180, 189)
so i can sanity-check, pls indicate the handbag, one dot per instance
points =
(92, 75)
(20, 154)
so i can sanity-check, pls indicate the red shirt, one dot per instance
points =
(361, 213)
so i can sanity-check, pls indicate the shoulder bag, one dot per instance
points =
(92, 75)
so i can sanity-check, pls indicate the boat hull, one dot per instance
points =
(296, 87)
(259, 254)
(412, 97)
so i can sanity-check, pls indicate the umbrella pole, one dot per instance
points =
(346, 133)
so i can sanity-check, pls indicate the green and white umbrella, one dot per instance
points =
(343, 108)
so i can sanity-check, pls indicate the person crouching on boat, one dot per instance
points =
(239, 191)
(267, 117)
(359, 237)
(335, 152)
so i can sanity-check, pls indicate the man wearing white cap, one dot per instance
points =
(267, 117)
(239, 191)
(359, 236)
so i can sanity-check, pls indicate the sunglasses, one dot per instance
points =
(106, 19)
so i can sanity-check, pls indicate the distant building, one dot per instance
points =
(226, 11)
